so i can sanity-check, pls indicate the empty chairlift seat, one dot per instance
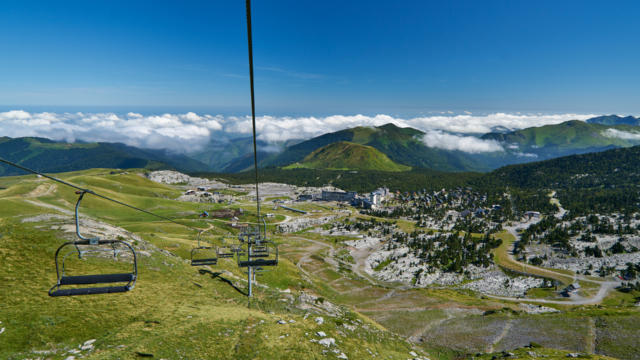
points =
(95, 253)
(224, 252)
(260, 251)
(268, 257)
(203, 254)
(117, 257)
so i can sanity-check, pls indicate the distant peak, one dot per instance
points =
(390, 126)
(614, 119)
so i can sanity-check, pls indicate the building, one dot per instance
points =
(338, 195)
(379, 195)
(362, 202)
(383, 192)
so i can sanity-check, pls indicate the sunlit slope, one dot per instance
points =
(615, 120)
(50, 156)
(346, 155)
(401, 145)
(569, 137)
(175, 311)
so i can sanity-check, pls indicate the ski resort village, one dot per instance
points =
(445, 237)
(434, 273)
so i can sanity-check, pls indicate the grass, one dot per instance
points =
(542, 293)
(383, 264)
(345, 155)
(177, 311)
(174, 311)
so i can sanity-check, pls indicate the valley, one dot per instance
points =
(269, 180)
(383, 148)
(415, 274)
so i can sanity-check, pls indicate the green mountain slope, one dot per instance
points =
(607, 169)
(401, 145)
(176, 311)
(406, 145)
(615, 120)
(344, 155)
(601, 182)
(50, 156)
(233, 155)
(571, 137)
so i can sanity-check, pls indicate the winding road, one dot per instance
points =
(606, 286)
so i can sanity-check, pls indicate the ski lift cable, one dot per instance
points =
(253, 104)
(255, 146)
(88, 191)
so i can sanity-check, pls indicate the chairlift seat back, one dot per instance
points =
(267, 257)
(225, 252)
(258, 262)
(206, 260)
(202, 262)
(64, 280)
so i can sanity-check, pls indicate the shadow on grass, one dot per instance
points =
(217, 275)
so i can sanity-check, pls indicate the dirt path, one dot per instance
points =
(307, 258)
(505, 330)
(335, 264)
(415, 337)
(591, 339)
(527, 267)
(360, 257)
(49, 206)
(43, 190)
(606, 286)
(603, 291)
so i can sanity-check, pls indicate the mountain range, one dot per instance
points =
(384, 148)
(50, 156)
(411, 147)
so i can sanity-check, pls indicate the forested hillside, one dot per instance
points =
(50, 156)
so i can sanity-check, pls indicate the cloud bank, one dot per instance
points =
(468, 144)
(181, 133)
(190, 131)
(626, 135)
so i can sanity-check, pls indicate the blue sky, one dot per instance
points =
(322, 57)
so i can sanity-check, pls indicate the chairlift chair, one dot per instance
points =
(202, 254)
(224, 252)
(252, 260)
(260, 251)
(86, 246)
(238, 250)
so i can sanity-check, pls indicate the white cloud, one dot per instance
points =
(180, 133)
(469, 144)
(480, 124)
(626, 135)
(191, 131)
(527, 155)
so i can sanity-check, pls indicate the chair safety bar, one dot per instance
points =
(63, 280)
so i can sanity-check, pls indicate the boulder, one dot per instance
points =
(328, 342)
